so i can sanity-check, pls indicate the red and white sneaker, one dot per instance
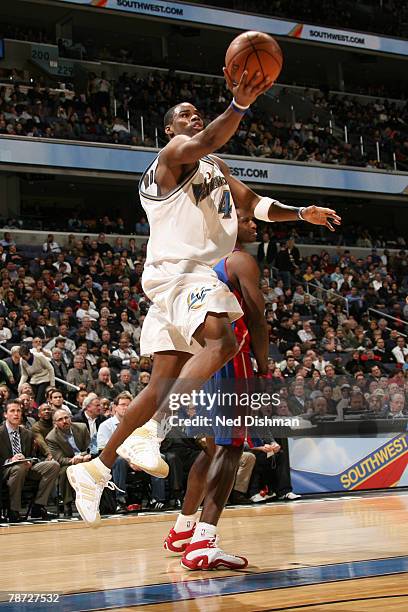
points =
(177, 541)
(206, 555)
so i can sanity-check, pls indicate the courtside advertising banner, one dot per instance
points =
(124, 159)
(321, 465)
(242, 21)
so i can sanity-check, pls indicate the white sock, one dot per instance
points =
(102, 467)
(204, 531)
(184, 522)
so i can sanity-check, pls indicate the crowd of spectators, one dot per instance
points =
(76, 314)
(320, 137)
(388, 17)
(331, 357)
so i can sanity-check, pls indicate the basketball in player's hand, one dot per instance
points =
(254, 52)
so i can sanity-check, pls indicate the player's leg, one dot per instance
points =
(218, 346)
(182, 532)
(203, 552)
(220, 480)
(89, 479)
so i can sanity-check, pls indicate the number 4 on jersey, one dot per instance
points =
(225, 205)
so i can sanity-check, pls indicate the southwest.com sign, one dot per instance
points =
(242, 21)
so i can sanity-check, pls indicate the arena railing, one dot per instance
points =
(385, 315)
(306, 285)
(136, 122)
(60, 380)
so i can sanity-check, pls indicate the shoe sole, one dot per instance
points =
(73, 483)
(163, 473)
(172, 549)
(204, 565)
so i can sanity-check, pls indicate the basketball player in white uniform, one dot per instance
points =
(188, 196)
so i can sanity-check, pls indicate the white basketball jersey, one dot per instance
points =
(196, 221)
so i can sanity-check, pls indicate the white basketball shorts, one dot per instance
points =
(182, 294)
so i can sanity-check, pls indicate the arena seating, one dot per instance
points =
(337, 325)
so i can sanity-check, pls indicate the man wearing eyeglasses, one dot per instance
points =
(68, 443)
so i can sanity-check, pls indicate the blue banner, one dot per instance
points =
(130, 160)
(347, 464)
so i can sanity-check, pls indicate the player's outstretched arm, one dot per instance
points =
(184, 149)
(267, 209)
(243, 271)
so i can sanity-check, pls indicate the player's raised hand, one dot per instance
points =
(321, 216)
(248, 89)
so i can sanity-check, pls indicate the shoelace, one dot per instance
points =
(113, 487)
(109, 484)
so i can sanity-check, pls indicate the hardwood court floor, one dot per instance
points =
(333, 554)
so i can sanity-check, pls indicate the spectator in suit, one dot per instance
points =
(125, 383)
(59, 365)
(13, 363)
(297, 400)
(43, 426)
(266, 250)
(91, 416)
(78, 375)
(38, 371)
(42, 330)
(104, 386)
(397, 407)
(287, 261)
(17, 443)
(69, 444)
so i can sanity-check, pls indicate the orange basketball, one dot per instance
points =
(254, 52)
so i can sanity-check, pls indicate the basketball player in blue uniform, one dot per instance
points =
(189, 197)
(217, 465)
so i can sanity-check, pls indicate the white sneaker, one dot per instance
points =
(142, 451)
(258, 498)
(88, 483)
(269, 496)
(289, 496)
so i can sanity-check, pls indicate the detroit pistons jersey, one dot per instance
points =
(240, 325)
(196, 221)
